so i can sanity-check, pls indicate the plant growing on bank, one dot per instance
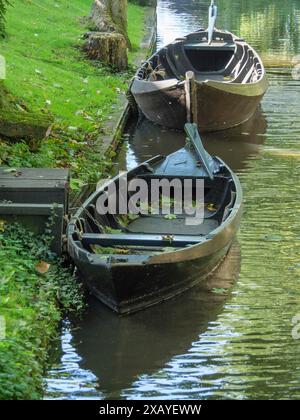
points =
(34, 292)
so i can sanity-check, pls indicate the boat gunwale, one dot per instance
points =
(261, 84)
(182, 254)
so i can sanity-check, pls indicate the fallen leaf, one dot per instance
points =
(10, 170)
(211, 207)
(42, 267)
(2, 226)
(170, 216)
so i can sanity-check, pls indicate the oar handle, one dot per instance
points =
(213, 12)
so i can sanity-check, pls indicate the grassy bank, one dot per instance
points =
(46, 70)
(34, 292)
(47, 74)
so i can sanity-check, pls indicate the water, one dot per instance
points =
(206, 345)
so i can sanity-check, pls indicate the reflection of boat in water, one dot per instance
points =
(237, 145)
(119, 350)
(234, 146)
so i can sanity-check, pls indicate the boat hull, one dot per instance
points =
(165, 107)
(128, 289)
(215, 107)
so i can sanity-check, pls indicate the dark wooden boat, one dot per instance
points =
(153, 257)
(210, 77)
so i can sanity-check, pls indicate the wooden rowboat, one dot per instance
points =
(141, 261)
(210, 77)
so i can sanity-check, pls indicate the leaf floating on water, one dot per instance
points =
(42, 267)
(273, 238)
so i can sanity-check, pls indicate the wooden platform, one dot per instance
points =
(32, 196)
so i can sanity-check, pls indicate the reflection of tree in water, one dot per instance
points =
(269, 25)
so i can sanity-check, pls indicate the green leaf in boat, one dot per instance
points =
(112, 231)
(217, 291)
(170, 217)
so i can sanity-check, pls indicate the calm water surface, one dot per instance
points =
(206, 345)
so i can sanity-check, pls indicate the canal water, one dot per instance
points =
(234, 336)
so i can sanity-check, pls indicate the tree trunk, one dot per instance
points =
(110, 16)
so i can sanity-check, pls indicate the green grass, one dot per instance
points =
(47, 70)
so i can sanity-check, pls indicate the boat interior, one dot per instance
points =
(226, 59)
(167, 228)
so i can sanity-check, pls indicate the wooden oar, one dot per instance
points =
(213, 11)
(205, 158)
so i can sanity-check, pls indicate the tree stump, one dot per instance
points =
(110, 16)
(109, 48)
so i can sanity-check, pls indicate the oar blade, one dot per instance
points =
(204, 157)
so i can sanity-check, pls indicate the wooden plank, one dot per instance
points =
(34, 185)
(27, 184)
(30, 209)
(177, 241)
(35, 173)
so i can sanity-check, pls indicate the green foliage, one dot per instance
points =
(32, 305)
(3, 7)
(47, 71)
